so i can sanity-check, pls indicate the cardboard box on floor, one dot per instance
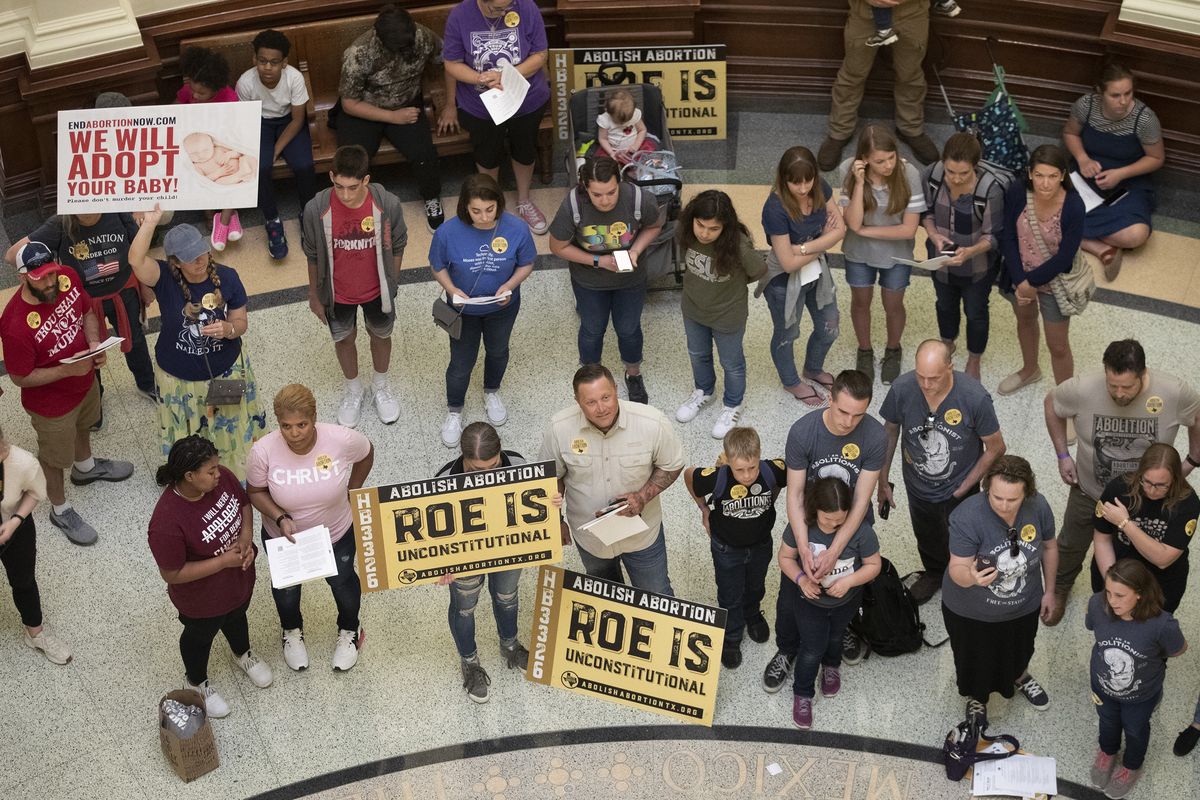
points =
(190, 758)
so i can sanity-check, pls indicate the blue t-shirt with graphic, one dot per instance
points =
(483, 259)
(181, 349)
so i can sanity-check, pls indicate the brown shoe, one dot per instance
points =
(830, 154)
(1056, 613)
(922, 146)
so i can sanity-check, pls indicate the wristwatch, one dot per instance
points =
(595, 261)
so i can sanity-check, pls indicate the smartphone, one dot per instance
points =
(624, 262)
(984, 562)
(613, 505)
(885, 509)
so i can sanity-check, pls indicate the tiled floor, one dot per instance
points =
(88, 729)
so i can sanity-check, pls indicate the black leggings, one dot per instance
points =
(195, 642)
(20, 557)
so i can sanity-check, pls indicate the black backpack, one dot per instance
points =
(960, 751)
(888, 619)
(724, 473)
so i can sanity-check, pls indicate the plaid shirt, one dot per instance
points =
(957, 221)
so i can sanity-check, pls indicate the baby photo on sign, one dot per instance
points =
(218, 162)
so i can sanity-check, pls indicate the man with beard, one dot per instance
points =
(1118, 413)
(948, 434)
(47, 320)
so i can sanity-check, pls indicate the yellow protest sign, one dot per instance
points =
(413, 533)
(626, 645)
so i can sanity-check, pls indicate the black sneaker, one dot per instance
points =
(731, 655)
(635, 387)
(277, 243)
(516, 657)
(777, 671)
(925, 587)
(889, 366)
(1033, 692)
(475, 681)
(758, 630)
(977, 714)
(854, 649)
(1186, 740)
(433, 214)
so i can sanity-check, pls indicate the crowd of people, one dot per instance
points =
(987, 539)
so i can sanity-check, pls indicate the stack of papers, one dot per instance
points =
(611, 528)
(310, 558)
(1092, 195)
(107, 344)
(930, 264)
(1016, 776)
(503, 103)
(459, 300)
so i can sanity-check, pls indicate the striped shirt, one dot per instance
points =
(957, 221)
(1141, 121)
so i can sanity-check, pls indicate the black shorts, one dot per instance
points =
(345, 316)
(487, 138)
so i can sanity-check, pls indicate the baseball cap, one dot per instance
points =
(185, 243)
(35, 260)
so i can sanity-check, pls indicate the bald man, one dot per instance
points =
(949, 435)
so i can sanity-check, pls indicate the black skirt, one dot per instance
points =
(990, 656)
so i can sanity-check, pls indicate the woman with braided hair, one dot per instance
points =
(203, 307)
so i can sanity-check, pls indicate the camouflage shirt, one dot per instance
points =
(375, 75)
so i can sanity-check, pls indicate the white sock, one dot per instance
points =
(86, 466)
(60, 510)
(354, 385)
(379, 380)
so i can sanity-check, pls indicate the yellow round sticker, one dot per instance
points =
(779, 463)
(324, 462)
(1190, 528)
(34, 319)
(1154, 404)
(64, 283)
(850, 451)
(708, 471)
(952, 416)
(618, 228)
(80, 251)
(209, 301)
(499, 244)
(367, 224)
(1099, 509)
(1028, 533)
(512, 19)
(737, 491)
(579, 446)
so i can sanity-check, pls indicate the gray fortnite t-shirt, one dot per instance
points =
(975, 530)
(939, 451)
(1129, 659)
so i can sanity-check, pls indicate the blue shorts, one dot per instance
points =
(860, 276)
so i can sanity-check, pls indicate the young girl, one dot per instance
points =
(719, 260)
(209, 83)
(1134, 639)
(801, 222)
(883, 198)
(824, 608)
(622, 131)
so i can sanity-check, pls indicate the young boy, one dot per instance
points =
(354, 236)
(885, 34)
(737, 503)
(280, 87)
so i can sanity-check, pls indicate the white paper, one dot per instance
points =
(930, 264)
(612, 527)
(774, 769)
(480, 301)
(503, 103)
(1017, 776)
(810, 272)
(310, 558)
(107, 344)
(1086, 193)
(624, 262)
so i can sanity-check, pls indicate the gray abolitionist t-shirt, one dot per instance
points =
(812, 447)
(601, 232)
(863, 543)
(1129, 659)
(938, 459)
(975, 530)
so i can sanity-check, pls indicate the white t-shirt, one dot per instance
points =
(620, 137)
(276, 102)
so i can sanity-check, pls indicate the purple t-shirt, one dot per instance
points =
(480, 43)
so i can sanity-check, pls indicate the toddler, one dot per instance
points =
(622, 131)
(885, 35)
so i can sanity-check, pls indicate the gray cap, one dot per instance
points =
(112, 100)
(185, 243)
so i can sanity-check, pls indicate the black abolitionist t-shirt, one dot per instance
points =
(742, 516)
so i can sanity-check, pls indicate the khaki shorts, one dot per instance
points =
(56, 435)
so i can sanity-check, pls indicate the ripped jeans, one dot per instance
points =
(825, 330)
(464, 596)
(347, 592)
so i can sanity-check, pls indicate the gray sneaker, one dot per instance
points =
(516, 657)
(889, 366)
(105, 470)
(70, 523)
(475, 681)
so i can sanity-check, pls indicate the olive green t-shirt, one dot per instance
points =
(719, 301)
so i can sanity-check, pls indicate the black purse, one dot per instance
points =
(224, 391)
(446, 318)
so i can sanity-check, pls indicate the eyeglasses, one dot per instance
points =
(1013, 547)
(1158, 487)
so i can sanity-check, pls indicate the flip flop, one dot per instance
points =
(813, 399)
(817, 382)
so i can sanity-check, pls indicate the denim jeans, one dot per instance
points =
(787, 636)
(741, 583)
(1132, 719)
(493, 330)
(464, 596)
(700, 340)
(825, 330)
(595, 306)
(347, 592)
(647, 567)
(820, 630)
(973, 298)
(298, 155)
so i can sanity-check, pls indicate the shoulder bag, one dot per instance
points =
(1074, 288)
(445, 316)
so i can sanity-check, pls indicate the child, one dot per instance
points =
(284, 130)
(1134, 638)
(737, 505)
(885, 35)
(189, 61)
(209, 83)
(622, 132)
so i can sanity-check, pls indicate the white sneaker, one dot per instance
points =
(386, 405)
(688, 411)
(725, 422)
(452, 429)
(259, 672)
(55, 651)
(350, 409)
(345, 651)
(295, 654)
(214, 705)
(497, 414)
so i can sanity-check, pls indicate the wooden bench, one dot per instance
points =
(317, 49)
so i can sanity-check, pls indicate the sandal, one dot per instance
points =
(823, 380)
(806, 394)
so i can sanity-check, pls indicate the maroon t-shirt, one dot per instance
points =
(184, 530)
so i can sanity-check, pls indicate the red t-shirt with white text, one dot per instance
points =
(355, 264)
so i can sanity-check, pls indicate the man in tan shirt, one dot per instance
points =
(607, 450)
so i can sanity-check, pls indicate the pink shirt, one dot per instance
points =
(1031, 254)
(313, 487)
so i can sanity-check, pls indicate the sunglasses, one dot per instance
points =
(1013, 547)
(927, 428)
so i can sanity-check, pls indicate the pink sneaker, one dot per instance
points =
(802, 712)
(235, 227)
(220, 233)
(533, 217)
(831, 681)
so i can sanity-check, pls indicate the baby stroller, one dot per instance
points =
(654, 172)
